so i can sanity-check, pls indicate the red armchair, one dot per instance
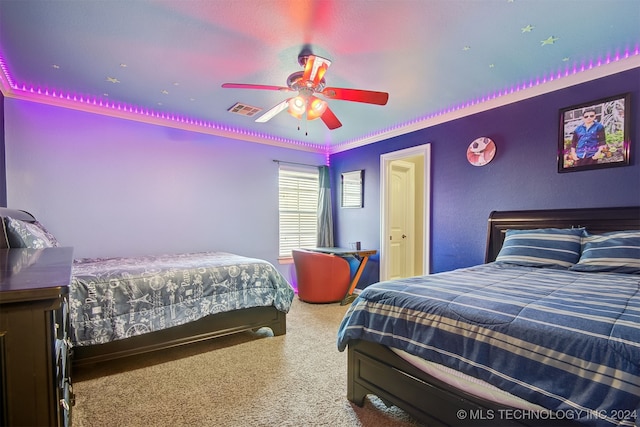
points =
(322, 278)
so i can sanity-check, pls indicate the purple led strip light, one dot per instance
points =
(139, 111)
(568, 71)
(95, 102)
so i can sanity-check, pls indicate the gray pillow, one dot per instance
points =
(22, 234)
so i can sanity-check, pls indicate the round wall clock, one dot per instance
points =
(481, 151)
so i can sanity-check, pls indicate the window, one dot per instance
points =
(298, 208)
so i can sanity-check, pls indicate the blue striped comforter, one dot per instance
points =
(567, 341)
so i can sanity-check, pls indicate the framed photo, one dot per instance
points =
(595, 135)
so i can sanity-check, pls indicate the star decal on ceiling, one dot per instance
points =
(112, 80)
(466, 48)
(527, 29)
(55, 66)
(165, 92)
(549, 40)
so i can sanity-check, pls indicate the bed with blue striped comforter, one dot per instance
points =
(567, 341)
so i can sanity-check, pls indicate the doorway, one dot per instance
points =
(405, 213)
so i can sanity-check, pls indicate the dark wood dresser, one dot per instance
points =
(35, 380)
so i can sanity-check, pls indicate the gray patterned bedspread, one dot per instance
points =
(115, 298)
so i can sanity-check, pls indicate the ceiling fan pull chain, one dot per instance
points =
(306, 119)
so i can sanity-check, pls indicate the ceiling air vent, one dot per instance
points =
(244, 109)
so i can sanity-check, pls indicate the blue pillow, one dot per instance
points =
(617, 251)
(541, 247)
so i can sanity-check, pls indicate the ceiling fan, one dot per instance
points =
(308, 84)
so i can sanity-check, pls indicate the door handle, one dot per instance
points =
(404, 236)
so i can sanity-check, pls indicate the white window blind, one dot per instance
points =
(298, 208)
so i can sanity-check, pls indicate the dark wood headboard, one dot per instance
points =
(595, 220)
(17, 214)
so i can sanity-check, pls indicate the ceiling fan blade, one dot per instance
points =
(252, 86)
(273, 111)
(314, 69)
(330, 119)
(356, 95)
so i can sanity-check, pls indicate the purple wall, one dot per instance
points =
(523, 175)
(115, 187)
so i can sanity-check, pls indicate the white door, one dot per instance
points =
(401, 218)
(405, 210)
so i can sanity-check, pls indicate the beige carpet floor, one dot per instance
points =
(248, 379)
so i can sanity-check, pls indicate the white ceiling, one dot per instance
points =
(162, 61)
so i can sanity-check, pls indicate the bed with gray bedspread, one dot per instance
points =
(127, 306)
(116, 298)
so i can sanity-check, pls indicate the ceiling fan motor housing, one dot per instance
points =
(296, 82)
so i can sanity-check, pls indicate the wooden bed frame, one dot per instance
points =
(212, 326)
(375, 369)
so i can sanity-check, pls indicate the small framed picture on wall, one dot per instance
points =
(595, 134)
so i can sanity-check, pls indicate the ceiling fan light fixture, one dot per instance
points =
(316, 108)
(297, 106)
(307, 83)
(312, 107)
